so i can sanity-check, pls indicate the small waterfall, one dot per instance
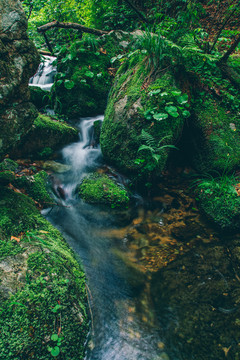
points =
(82, 156)
(44, 76)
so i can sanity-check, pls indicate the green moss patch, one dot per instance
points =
(220, 202)
(36, 187)
(100, 189)
(42, 287)
(216, 141)
(45, 136)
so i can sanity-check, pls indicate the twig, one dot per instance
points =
(88, 290)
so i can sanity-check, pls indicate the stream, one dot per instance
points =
(119, 331)
(162, 282)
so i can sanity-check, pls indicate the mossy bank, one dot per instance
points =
(42, 286)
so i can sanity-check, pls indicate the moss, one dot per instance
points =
(216, 137)
(97, 130)
(220, 202)
(6, 177)
(8, 164)
(100, 189)
(36, 187)
(46, 133)
(45, 294)
(129, 100)
(22, 216)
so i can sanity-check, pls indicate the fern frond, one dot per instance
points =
(146, 147)
(148, 138)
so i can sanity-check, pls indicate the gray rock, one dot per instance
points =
(18, 62)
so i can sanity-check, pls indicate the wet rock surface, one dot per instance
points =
(18, 62)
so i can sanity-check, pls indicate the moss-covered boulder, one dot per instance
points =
(18, 62)
(42, 286)
(144, 110)
(215, 136)
(220, 201)
(100, 189)
(46, 136)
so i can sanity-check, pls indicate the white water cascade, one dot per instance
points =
(44, 77)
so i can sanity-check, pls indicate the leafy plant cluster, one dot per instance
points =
(174, 103)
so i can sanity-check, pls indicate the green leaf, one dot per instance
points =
(164, 93)
(156, 157)
(160, 116)
(55, 351)
(56, 308)
(89, 74)
(54, 337)
(154, 92)
(176, 93)
(147, 114)
(186, 113)
(146, 147)
(172, 110)
(69, 84)
(183, 99)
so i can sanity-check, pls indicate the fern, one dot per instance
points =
(152, 146)
(148, 138)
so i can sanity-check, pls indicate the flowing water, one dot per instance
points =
(123, 325)
(44, 76)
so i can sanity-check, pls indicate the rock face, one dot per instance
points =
(139, 101)
(18, 62)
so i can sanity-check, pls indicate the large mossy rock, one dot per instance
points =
(85, 74)
(18, 62)
(214, 137)
(45, 136)
(138, 102)
(197, 301)
(42, 286)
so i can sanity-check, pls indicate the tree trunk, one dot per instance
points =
(230, 50)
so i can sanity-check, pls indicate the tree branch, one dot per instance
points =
(68, 25)
(230, 50)
(138, 12)
(222, 27)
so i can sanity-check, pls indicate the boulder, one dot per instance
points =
(19, 60)
(45, 136)
(143, 111)
(100, 189)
